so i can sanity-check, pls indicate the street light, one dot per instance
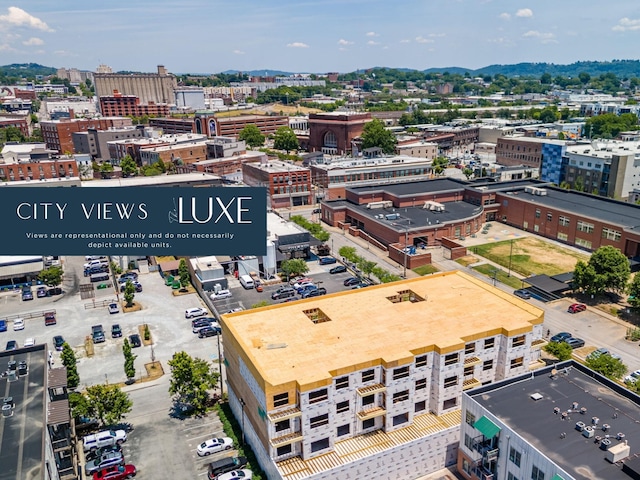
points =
(510, 253)
(242, 405)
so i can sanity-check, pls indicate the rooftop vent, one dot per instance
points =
(536, 396)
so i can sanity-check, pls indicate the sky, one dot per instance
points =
(318, 36)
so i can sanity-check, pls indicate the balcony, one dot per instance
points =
(371, 413)
(470, 383)
(286, 439)
(471, 361)
(538, 343)
(536, 364)
(284, 414)
(371, 389)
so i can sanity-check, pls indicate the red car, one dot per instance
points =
(117, 472)
(577, 307)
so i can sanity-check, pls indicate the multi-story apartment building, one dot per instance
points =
(413, 147)
(172, 126)
(57, 134)
(32, 161)
(148, 87)
(119, 105)
(20, 121)
(287, 184)
(95, 142)
(212, 126)
(69, 107)
(181, 154)
(368, 383)
(519, 150)
(173, 147)
(564, 422)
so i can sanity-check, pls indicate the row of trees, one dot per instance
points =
(314, 228)
(367, 267)
(284, 138)
(607, 270)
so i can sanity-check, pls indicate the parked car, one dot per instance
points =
(41, 291)
(299, 279)
(93, 454)
(27, 295)
(575, 342)
(208, 332)
(577, 307)
(106, 460)
(136, 285)
(113, 308)
(135, 341)
(315, 293)
(244, 474)
(199, 324)
(632, 377)
(224, 465)
(522, 293)
(195, 312)
(214, 445)
(116, 331)
(3, 325)
(316, 210)
(338, 269)
(103, 439)
(88, 258)
(18, 324)
(307, 288)
(326, 260)
(560, 337)
(54, 291)
(133, 276)
(349, 282)
(11, 345)
(29, 342)
(282, 293)
(116, 472)
(58, 342)
(220, 294)
(49, 318)
(97, 334)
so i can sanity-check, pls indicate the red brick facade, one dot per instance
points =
(512, 151)
(119, 105)
(333, 132)
(62, 168)
(275, 177)
(58, 134)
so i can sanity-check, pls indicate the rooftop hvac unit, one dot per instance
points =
(7, 411)
(587, 432)
(617, 452)
(605, 444)
(580, 426)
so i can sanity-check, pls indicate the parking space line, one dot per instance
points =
(200, 425)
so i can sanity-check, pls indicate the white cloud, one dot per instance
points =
(524, 12)
(18, 18)
(544, 37)
(405, 40)
(238, 52)
(437, 35)
(33, 41)
(505, 16)
(421, 39)
(371, 42)
(342, 41)
(5, 47)
(627, 24)
(297, 45)
(372, 34)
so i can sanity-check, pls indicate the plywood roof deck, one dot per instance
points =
(363, 327)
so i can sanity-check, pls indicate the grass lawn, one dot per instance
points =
(530, 256)
(467, 260)
(425, 269)
(501, 276)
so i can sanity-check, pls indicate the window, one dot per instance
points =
(342, 382)
(563, 221)
(451, 359)
(343, 430)
(583, 243)
(537, 474)
(283, 425)
(368, 400)
(320, 445)
(511, 476)
(487, 365)
(585, 227)
(517, 362)
(469, 418)
(452, 402)
(518, 341)
(466, 466)
(421, 384)
(400, 396)
(319, 421)
(489, 343)
(318, 396)
(368, 423)
(421, 361)
(281, 399)
(468, 441)
(549, 217)
(562, 236)
(450, 381)
(470, 348)
(611, 234)
(536, 228)
(342, 406)
(283, 450)
(368, 375)
(537, 213)
(468, 371)
(515, 456)
(400, 419)
(401, 372)
(421, 406)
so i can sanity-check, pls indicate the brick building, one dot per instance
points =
(148, 87)
(228, 165)
(333, 133)
(171, 126)
(287, 184)
(21, 122)
(527, 151)
(95, 142)
(58, 133)
(209, 124)
(32, 161)
(119, 105)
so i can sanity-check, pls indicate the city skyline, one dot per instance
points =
(326, 35)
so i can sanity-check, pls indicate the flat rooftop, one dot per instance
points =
(285, 345)
(536, 422)
(21, 435)
(395, 160)
(276, 166)
(157, 181)
(411, 188)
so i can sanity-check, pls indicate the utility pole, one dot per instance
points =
(510, 254)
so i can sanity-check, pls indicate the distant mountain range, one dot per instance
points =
(621, 68)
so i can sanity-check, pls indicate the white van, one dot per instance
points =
(247, 282)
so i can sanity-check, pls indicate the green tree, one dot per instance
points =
(366, 266)
(105, 169)
(51, 275)
(261, 303)
(608, 366)
(607, 270)
(128, 166)
(293, 267)
(348, 252)
(183, 272)
(107, 403)
(634, 292)
(584, 77)
(252, 136)
(129, 359)
(129, 293)
(548, 115)
(285, 139)
(375, 135)
(467, 172)
(561, 350)
(191, 380)
(69, 361)
(78, 404)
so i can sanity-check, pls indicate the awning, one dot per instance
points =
(293, 247)
(557, 477)
(486, 427)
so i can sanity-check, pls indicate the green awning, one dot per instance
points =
(557, 477)
(486, 427)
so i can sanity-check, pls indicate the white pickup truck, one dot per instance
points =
(103, 439)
